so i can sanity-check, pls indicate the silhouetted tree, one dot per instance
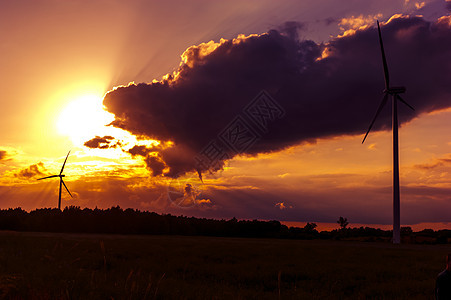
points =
(310, 227)
(343, 222)
(406, 231)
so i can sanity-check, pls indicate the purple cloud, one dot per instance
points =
(324, 89)
(101, 142)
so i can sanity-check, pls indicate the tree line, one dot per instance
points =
(116, 220)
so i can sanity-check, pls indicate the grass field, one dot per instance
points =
(71, 266)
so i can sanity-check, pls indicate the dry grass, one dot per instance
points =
(67, 266)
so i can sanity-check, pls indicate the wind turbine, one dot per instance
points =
(60, 175)
(394, 92)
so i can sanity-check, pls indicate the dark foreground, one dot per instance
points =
(73, 266)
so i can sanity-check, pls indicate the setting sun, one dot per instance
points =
(82, 118)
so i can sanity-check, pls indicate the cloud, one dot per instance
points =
(2, 155)
(326, 197)
(318, 91)
(101, 142)
(188, 193)
(329, 21)
(351, 24)
(430, 9)
(282, 205)
(440, 162)
(156, 164)
(190, 196)
(420, 5)
(291, 29)
(32, 171)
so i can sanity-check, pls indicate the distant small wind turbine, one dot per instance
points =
(60, 175)
(394, 92)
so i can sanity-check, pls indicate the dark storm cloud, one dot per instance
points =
(101, 142)
(32, 171)
(2, 154)
(325, 89)
(139, 150)
(156, 164)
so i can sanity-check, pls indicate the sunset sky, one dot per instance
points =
(173, 79)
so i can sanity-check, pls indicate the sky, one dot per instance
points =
(221, 109)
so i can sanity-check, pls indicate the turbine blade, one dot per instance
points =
(384, 100)
(48, 177)
(66, 188)
(384, 61)
(402, 100)
(64, 163)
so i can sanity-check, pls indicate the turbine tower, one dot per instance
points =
(394, 92)
(60, 175)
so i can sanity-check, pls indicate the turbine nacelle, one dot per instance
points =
(395, 90)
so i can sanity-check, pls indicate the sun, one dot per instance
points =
(83, 118)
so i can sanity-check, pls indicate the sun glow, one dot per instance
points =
(83, 118)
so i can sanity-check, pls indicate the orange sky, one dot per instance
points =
(58, 59)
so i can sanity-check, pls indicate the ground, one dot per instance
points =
(81, 266)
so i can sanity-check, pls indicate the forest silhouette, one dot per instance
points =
(116, 220)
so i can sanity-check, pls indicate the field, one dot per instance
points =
(76, 266)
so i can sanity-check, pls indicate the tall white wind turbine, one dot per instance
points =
(394, 93)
